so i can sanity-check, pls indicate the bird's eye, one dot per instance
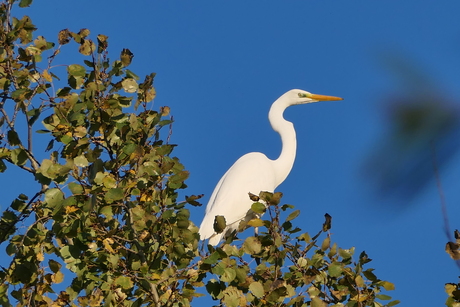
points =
(302, 95)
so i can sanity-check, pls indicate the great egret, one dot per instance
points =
(254, 172)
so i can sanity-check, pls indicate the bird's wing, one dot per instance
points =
(253, 173)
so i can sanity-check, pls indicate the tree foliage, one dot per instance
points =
(104, 224)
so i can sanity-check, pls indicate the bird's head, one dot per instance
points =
(302, 97)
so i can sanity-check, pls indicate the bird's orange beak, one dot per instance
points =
(323, 97)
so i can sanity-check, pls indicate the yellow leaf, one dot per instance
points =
(107, 244)
(58, 277)
(40, 256)
(256, 223)
(47, 76)
(165, 110)
(155, 276)
(359, 281)
(70, 209)
(145, 197)
(388, 285)
(130, 85)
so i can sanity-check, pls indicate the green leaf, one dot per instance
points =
(107, 212)
(213, 258)
(126, 57)
(327, 222)
(25, 3)
(252, 246)
(214, 288)
(18, 205)
(76, 70)
(54, 265)
(256, 223)
(13, 138)
(317, 302)
(81, 161)
(286, 206)
(257, 289)
(54, 197)
(228, 275)
(19, 156)
(129, 85)
(383, 297)
(66, 139)
(75, 188)
(232, 297)
(387, 285)
(359, 280)
(11, 249)
(258, 208)
(326, 244)
(2, 166)
(293, 215)
(125, 282)
(114, 195)
(346, 253)
(302, 262)
(219, 224)
(335, 269)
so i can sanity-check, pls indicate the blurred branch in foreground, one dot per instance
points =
(423, 125)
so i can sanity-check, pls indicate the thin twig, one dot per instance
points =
(441, 194)
(442, 198)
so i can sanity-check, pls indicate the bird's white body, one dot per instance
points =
(254, 172)
(258, 176)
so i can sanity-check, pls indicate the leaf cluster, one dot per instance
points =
(291, 269)
(106, 207)
(453, 289)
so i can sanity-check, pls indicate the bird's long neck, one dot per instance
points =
(285, 161)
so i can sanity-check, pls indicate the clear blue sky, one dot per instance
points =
(219, 67)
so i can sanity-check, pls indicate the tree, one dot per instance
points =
(106, 212)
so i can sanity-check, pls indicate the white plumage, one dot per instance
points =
(254, 172)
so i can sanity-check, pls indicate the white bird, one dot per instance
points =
(254, 172)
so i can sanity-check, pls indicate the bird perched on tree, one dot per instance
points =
(254, 172)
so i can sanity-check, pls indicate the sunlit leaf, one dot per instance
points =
(124, 282)
(75, 188)
(58, 277)
(252, 245)
(114, 195)
(130, 85)
(54, 197)
(228, 275)
(256, 223)
(388, 285)
(102, 43)
(76, 70)
(81, 161)
(88, 47)
(257, 289)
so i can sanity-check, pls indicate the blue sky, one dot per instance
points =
(219, 67)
